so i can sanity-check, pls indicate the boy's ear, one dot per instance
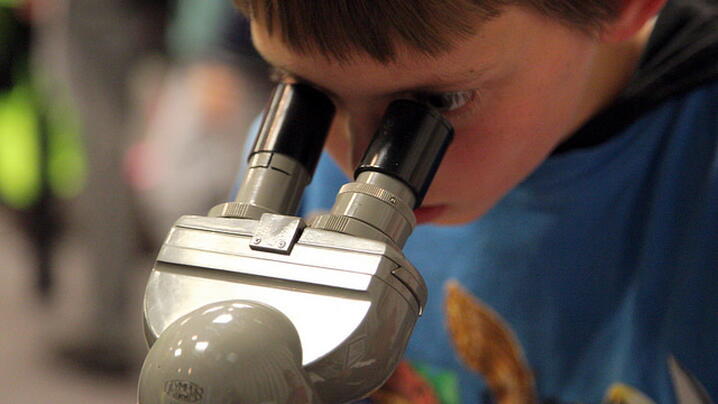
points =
(632, 17)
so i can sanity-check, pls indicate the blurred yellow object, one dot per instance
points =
(19, 148)
(620, 393)
(21, 152)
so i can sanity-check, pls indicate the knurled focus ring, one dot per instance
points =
(384, 196)
(237, 210)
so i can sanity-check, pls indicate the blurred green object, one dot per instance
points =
(66, 158)
(40, 148)
(22, 122)
(445, 383)
(10, 3)
(19, 149)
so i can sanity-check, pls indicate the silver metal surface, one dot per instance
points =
(277, 233)
(352, 301)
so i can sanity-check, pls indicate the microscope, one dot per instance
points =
(253, 305)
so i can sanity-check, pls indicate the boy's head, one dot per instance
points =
(514, 77)
(339, 28)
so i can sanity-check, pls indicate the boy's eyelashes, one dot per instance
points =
(449, 103)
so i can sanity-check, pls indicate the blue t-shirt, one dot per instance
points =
(598, 274)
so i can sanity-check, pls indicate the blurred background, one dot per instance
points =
(116, 117)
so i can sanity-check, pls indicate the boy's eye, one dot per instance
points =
(446, 102)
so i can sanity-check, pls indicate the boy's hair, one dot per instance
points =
(339, 28)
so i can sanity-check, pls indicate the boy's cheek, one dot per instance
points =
(476, 174)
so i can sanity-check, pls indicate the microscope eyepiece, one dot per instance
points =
(393, 176)
(296, 124)
(408, 146)
(285, 153)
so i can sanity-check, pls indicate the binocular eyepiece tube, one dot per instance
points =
(285, 153)
(393, 176)
(391, 180)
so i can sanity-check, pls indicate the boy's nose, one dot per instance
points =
(361, 129)
(351, 133)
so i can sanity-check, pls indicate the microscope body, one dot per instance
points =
(353, 301)
(252, 305)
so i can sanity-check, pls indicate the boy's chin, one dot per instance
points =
(442, 215)
(430, 214)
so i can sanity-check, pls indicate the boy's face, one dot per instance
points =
(521, 85)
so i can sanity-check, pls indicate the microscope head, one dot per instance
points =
(253, 305)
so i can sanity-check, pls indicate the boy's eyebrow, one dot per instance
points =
(277, 73)
(281, 72)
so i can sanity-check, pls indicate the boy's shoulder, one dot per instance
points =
(681, 56)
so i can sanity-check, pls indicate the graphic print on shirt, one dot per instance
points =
(620, 393)
(419, 383)
(406, 386)
(688, 389)
(413, 383)
(486, 344)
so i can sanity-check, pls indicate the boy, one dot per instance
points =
(581, 186)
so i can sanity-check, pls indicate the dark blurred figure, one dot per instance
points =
(90, 57)
(15, 37)
(190, 118)
(105, 40)
(24, 145)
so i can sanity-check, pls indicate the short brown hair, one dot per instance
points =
(339, 28)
